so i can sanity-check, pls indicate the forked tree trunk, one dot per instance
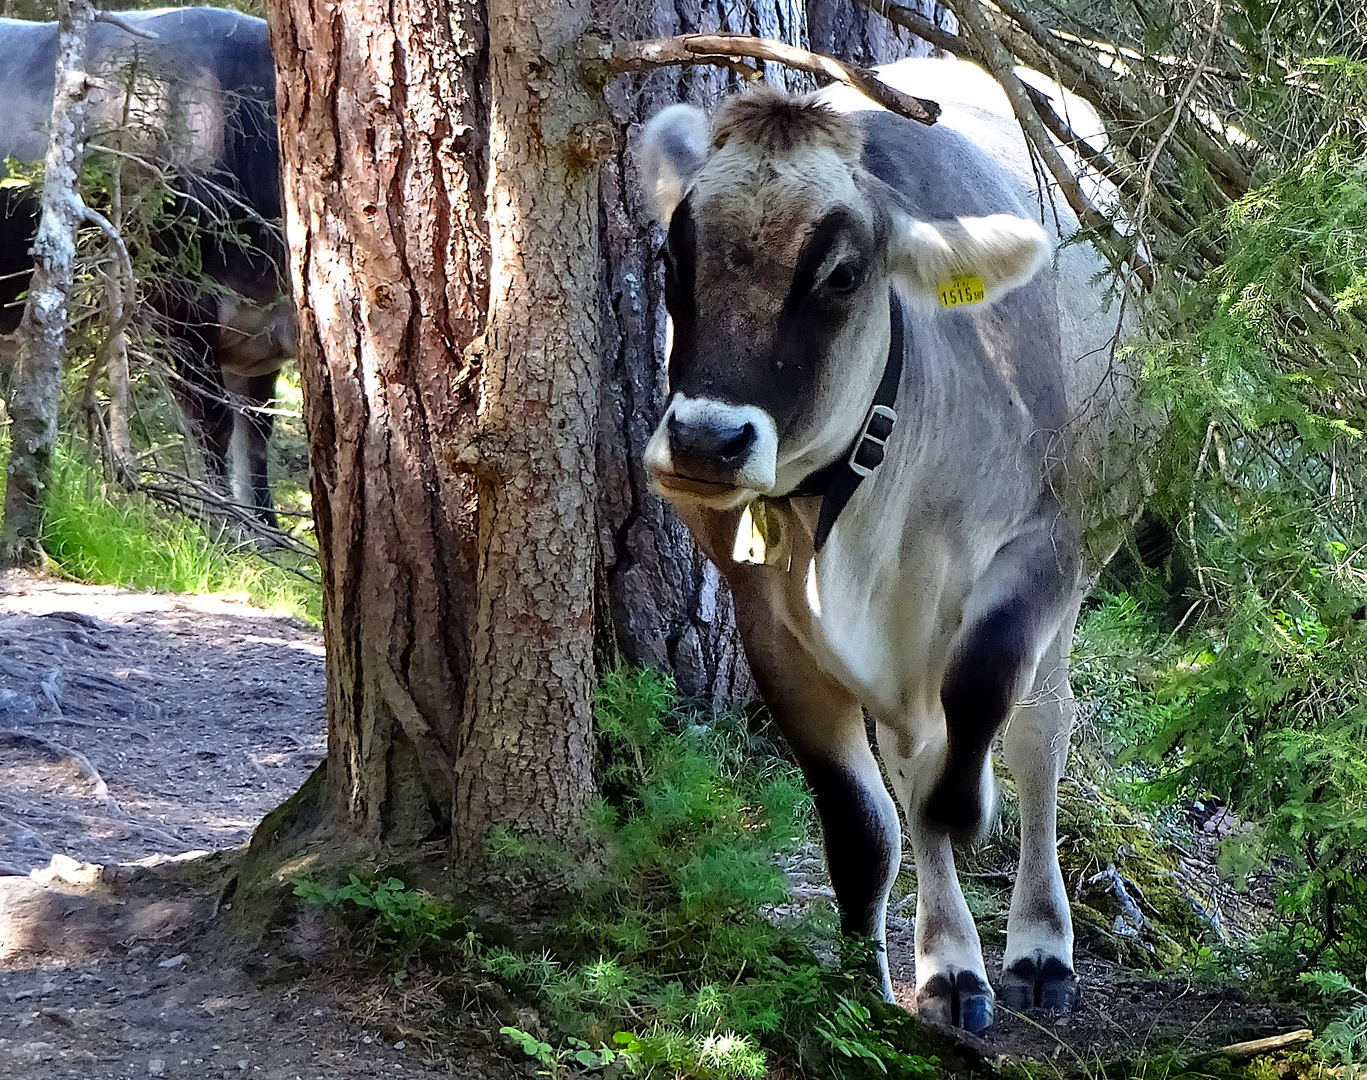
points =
(383, 165)
(526, 752)
(37, 378)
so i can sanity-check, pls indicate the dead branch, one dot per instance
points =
(115, 19)
(728, 49)
(1244, 1051)
(124, 316)
(922, 27)
(1002, 67)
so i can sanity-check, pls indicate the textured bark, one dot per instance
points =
(37, 378)
(850, 32)
(526, 752)
(668, 604)
(382, 155)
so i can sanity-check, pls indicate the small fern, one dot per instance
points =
(1345, 1037)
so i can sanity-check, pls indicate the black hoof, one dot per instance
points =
(959, 1000)
(1039, 982)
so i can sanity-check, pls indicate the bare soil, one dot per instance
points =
(137, 729)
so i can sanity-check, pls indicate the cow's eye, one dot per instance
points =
(844, 278)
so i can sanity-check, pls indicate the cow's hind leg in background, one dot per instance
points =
(204, 399)
(253, 422)
(232, 421)
(941, 769)
(1037, 968)
(824, 725)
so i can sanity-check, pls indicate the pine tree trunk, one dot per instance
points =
(668, 604)
(526, 750)
(382, 149)
(36, 381)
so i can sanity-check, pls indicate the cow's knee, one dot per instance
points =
(986, 677)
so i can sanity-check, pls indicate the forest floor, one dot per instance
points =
(136, 728)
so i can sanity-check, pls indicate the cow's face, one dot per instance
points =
(780, 255)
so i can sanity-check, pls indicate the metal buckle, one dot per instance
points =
(889, 414)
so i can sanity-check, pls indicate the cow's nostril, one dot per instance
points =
(738, 444)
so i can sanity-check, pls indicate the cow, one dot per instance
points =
(881, 420)
(201, 94)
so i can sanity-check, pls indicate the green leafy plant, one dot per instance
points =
(851, 1032)
(673, 960)
(1345, 1037)
(408, 918)
(97, 533)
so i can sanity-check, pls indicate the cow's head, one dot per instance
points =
(780, 255)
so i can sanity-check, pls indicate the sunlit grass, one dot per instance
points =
(97, 533)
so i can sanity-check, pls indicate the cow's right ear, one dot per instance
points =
(673, 147)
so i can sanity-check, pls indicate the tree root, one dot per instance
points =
(64, 753)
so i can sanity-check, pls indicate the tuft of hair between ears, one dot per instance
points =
(776, 122)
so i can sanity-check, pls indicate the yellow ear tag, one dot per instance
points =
(762, 537)
(961, 289)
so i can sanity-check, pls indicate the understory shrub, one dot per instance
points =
(679, 956)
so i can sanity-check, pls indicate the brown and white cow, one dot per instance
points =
(875, 388)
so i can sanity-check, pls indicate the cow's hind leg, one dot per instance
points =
(824, 725)
(204, 399)
(1011, 618)
(1037, 969)
(252, 427)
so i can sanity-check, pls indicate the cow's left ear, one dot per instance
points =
(967, 260)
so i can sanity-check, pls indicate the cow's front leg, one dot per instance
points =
(253, 423)
(860, 827)
(824, 724)
(951, 979)
(1037, 970)
(1012, 617)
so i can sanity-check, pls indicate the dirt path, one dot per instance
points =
(189, 718)
(136, 727)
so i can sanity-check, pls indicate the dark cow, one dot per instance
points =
(876, 389)
(203, 112)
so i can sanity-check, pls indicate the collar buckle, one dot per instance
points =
(867, 454)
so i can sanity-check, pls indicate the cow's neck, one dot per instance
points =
(836, 483)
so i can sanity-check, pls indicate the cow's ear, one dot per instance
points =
(673, 147)
(967, 260)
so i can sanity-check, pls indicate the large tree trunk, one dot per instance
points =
(37, 378)
(526, 751)
(668, 603)
(382, 149)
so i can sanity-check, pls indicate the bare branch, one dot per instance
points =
(124, 316)
(115, 19)
(1002, 67)
(727, 49)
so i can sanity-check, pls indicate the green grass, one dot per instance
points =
(97, 533)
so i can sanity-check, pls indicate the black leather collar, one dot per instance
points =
(837, 482)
